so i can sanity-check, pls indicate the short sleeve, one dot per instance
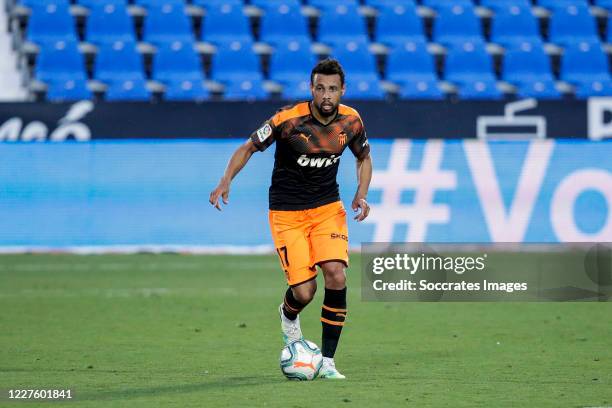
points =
(263, 137)
(359, 143)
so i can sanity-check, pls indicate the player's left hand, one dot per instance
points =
(361, 207)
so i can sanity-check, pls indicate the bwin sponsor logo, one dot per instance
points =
(319, 162)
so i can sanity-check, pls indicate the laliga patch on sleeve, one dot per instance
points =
(264, 132)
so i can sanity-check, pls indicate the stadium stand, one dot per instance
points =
(457, 24)
(128, 90)
(118, 61)
(108, 23)
(50, 23)
(572, 23)
(226, 23)
(260, 49)
(341, 24)
(411, 62)
(282, 23)
(470, 66)
(514, 25)
(586, 66)
(398, 25)
(528, 67)
(167, 22)
(290, 60)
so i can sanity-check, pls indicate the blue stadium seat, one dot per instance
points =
(495, 4)
(291, 62)
(358, 63)
(480, 89)
(250, 89)
(236, 62)
(411, 63)
(586, 66)
(357, 88)
(60, 62)
(514, 25)
(530, 70)
(167, 23)
(572, 24)
(544, 89)
(50, 23)
(217, 3)
(421, 90)
(108, 23)
(554, 4)
(468, 64)
(299, 90)
(225, 24)
(43, 3)
(177, 62)
(128, 90)
(324, 4)
(186, 91)
(283, 23)
(594, 88)
(119, 61)
(68, 90)
(390, 3)
(398, 24)
(457, 25)
(436, 4)
(265, 4)
(341, 24)
(158, 3)
(101, 3)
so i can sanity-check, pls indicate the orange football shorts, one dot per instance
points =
(306, 238)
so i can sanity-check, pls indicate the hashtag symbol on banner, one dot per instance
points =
(424, 181)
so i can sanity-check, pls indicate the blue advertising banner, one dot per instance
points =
(139, 193)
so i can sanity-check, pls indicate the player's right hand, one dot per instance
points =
(222, 190)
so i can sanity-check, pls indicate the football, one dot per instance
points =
(301, 360)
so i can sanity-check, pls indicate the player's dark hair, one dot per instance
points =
(328, 66)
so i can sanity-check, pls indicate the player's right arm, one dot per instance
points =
(238, 160)
(259, 140)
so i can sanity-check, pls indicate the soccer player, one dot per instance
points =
(307, 218)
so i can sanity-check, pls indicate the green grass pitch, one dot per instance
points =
(200, 331)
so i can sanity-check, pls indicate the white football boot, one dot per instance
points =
(329, 371)
(290, 328)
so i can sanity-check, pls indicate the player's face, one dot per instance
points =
(326, 93)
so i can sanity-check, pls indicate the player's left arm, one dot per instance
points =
(364, 176)
(361, 150)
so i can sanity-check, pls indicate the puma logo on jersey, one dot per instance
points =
(319, 162)
(306, 138)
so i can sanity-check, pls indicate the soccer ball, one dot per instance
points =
(301, 360)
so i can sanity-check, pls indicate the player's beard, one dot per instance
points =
(324, 113)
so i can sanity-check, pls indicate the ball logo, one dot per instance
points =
(318, 162)
(302, 364)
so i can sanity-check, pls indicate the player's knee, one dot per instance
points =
(305, 292)
(335, 277)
